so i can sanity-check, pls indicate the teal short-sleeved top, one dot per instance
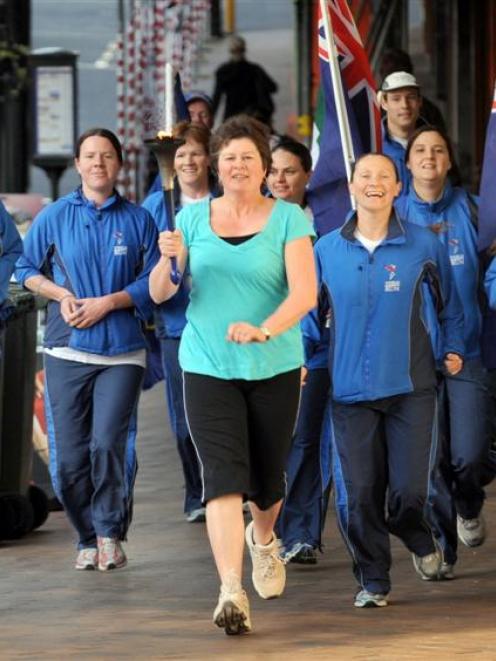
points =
(244, 282)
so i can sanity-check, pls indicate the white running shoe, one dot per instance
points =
(428, 566)
(232, 612)
(472, 532)
(87, 559)
(269, 571)
(366, 599)
(110, 554)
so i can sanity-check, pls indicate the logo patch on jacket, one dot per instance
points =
(119, 249)
(457, 258)
(391, 284)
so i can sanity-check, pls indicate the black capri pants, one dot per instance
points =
(242, 432)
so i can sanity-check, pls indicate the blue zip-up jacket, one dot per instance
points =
(458, 234)
(170, 316)
(93, 251)
(397, 152)
(379, 345)
(10, 250)
(316, 346)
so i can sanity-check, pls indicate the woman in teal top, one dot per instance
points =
(253, 279)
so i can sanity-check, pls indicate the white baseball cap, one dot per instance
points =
(397, 80)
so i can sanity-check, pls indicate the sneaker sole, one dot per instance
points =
(267, 596)
(472, 545)
(111, 566)
(232, 620)
(439, 577)
(85, 567)
(201, 518)
(371, 604)
(303, 561)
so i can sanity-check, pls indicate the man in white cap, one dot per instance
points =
(400, 98)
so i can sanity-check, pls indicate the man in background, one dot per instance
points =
(247, 87)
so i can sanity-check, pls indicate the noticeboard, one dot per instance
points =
(54, 111)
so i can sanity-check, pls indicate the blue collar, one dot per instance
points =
(435, 207)
(78, 197)
(396, 231)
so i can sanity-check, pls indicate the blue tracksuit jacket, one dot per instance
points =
(459, 236)
(10, 250)
(93, 252)
(379, 345)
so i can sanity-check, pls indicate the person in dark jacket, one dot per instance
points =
(383, 377)
(90, 253)
(247, 87)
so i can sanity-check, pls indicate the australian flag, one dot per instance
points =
(487, 205)
(328, 189)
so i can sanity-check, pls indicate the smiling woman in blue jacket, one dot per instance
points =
(90, 253)
(383, 375)
(452, 214)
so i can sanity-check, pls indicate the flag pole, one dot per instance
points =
(337, 86)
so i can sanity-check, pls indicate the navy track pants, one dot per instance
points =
(464, 425)
(169, 349)
(383, 454)
(91, 420)
(302, 516)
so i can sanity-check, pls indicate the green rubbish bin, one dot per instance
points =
(22, 505)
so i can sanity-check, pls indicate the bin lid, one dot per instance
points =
(22, 301)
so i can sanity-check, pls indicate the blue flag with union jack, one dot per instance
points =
(487, 205)
(328, 189)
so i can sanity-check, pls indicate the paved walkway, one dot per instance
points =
(160, 605)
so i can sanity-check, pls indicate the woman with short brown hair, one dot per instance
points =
(253, 279)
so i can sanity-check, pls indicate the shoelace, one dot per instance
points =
(269, 559)
(87, 555)
(108, 546)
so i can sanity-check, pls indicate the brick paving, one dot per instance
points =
(160, 605)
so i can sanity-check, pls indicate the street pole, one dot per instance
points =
(303, 40)
(14, 129)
